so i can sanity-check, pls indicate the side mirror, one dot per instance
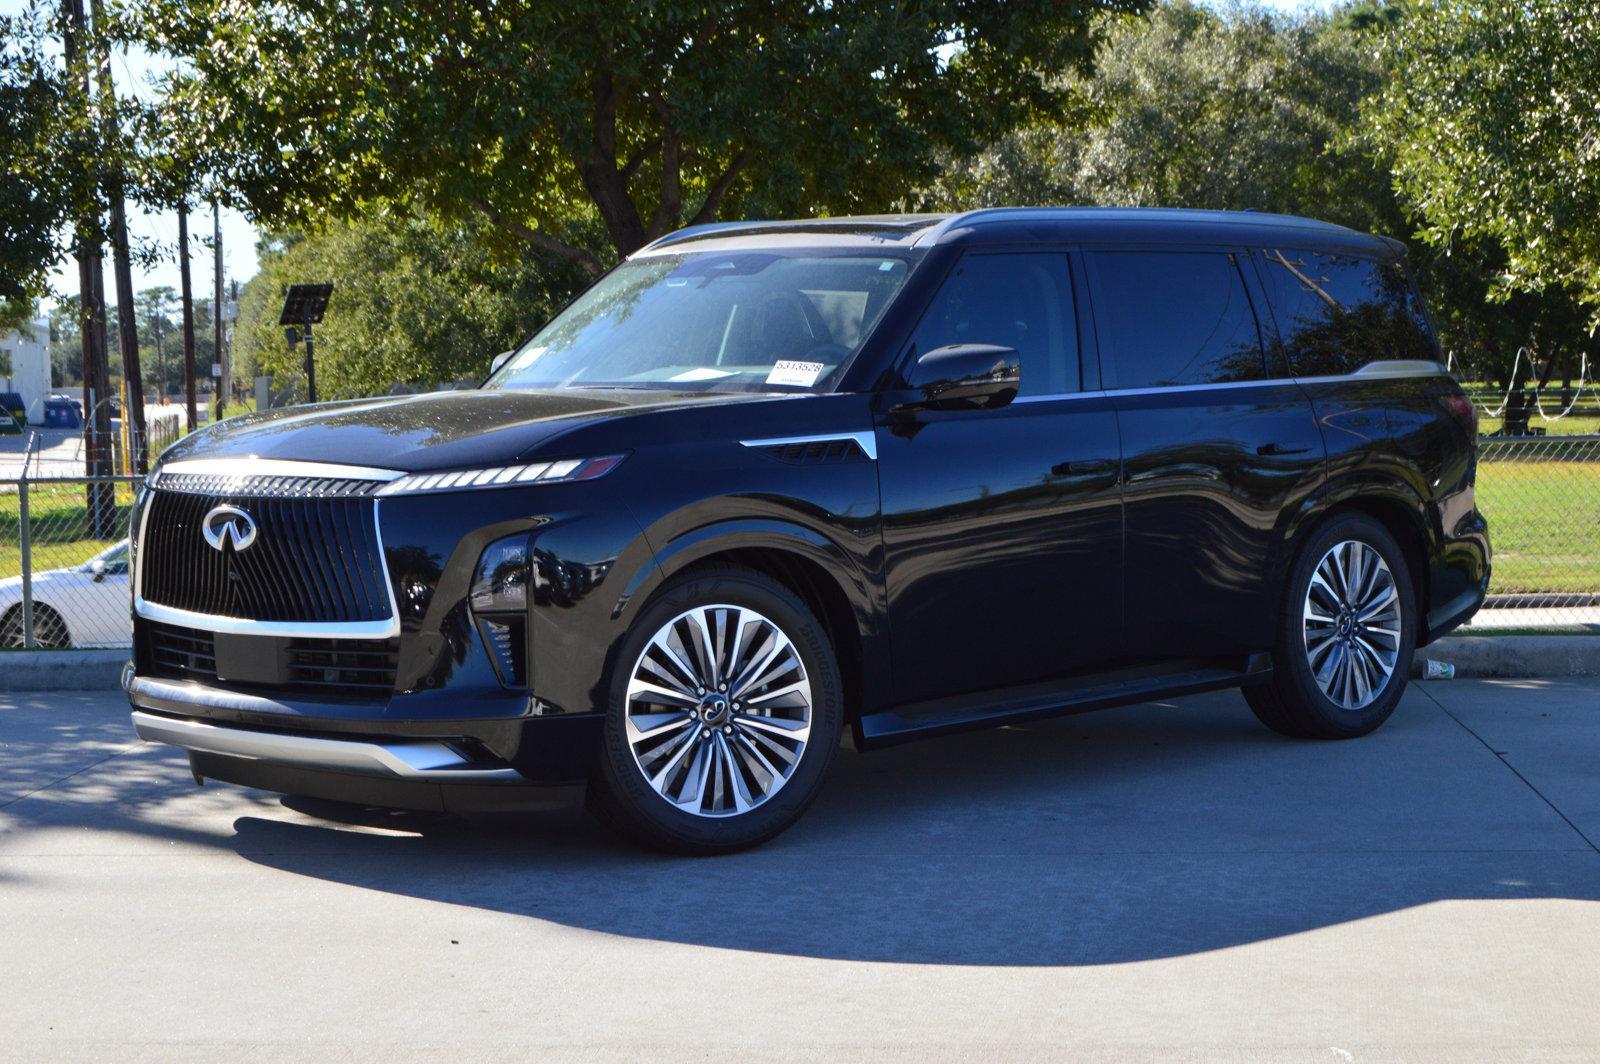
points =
(98, 568)
(499, 360)
(966, 377)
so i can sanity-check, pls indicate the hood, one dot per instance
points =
(416, 433)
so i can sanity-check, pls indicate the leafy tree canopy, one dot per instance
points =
(573, 126)
(1492, 118)
(414, 302)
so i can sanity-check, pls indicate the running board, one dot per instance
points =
(949, 715)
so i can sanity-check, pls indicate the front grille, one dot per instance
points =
(346, 669)
(314, 559)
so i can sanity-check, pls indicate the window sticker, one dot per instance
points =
(803, 374)
(700, 373)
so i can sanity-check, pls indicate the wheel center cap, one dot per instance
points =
(714, 709)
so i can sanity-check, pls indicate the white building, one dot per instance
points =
(28, 351)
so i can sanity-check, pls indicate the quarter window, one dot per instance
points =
(1336, 313)
(1168, 319)
(1019, 301)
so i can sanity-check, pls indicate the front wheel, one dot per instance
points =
(1345, 635)
(725, 712)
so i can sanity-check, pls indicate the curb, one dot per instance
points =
(1521, 656)
(62, 670)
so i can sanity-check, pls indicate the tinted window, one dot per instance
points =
(1017, 301)
(1171, 318)
(1336, 313)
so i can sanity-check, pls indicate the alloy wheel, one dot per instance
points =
(1352, 624)
(718, 710)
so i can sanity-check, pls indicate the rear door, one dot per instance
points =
(1002, 528)
(1219, 448)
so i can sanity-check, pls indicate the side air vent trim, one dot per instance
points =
(864, 442)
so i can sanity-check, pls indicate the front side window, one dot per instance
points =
(1171, 318)
(1023, 302)
(1336, 313)
(708, 321)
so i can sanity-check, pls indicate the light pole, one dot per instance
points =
(303, 307)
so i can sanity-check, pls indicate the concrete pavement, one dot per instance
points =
(1166, 882)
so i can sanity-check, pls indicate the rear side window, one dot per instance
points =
(1169, 318)
(1019, 301)
(1336, 313)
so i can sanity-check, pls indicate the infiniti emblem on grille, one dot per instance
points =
(223, 523)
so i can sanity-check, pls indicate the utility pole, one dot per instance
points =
(127, 325)
(91, 296)
(161, 352)
(216, 306)
(188, 313)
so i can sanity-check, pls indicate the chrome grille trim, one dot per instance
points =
(385, 628)
(277, 467)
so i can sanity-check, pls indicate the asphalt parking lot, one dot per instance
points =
(1167, 882)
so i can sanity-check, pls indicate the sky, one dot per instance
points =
(130, 72)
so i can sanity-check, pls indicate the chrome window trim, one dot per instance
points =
(277, 467)
(1397, 369)
(864, 440)
(386, 628)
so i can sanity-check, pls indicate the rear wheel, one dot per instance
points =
(49, 630)
(725, 712)
(1345, 636)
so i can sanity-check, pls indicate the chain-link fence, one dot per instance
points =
(64, 572)
(64, 561)
(1541, 495)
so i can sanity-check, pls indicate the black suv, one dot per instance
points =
(766, 483)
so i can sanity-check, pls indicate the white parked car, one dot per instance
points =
(85, 606)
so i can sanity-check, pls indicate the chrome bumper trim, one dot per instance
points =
(387, 628)
(423, 760)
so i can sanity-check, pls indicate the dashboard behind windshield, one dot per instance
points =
(749, 320)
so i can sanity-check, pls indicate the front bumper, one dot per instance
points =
(292, 748)
(389, 759)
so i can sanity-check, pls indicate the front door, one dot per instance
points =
(1003, 528)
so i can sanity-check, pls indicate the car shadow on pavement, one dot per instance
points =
(1152, 832)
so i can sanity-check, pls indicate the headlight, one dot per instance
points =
(499, 604)
(567, 469)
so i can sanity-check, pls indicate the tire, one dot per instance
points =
(1319, 663)
(49, 629)
(656, 750)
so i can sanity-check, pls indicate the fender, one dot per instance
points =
(854, 577)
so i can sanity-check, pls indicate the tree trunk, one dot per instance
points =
(99, 500)
(127, 327)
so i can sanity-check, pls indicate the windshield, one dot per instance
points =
(728, 321)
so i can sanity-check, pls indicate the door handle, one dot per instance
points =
(1083, 467)
(1267, 450)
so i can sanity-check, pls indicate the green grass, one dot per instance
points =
(58, 516)
(1544, 523)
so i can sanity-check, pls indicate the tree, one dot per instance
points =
(1240, 109)
(39, 187)
(1492, 117)
(573, 126)
(416, 303)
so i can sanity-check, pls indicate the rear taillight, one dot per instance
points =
(1464, 412)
